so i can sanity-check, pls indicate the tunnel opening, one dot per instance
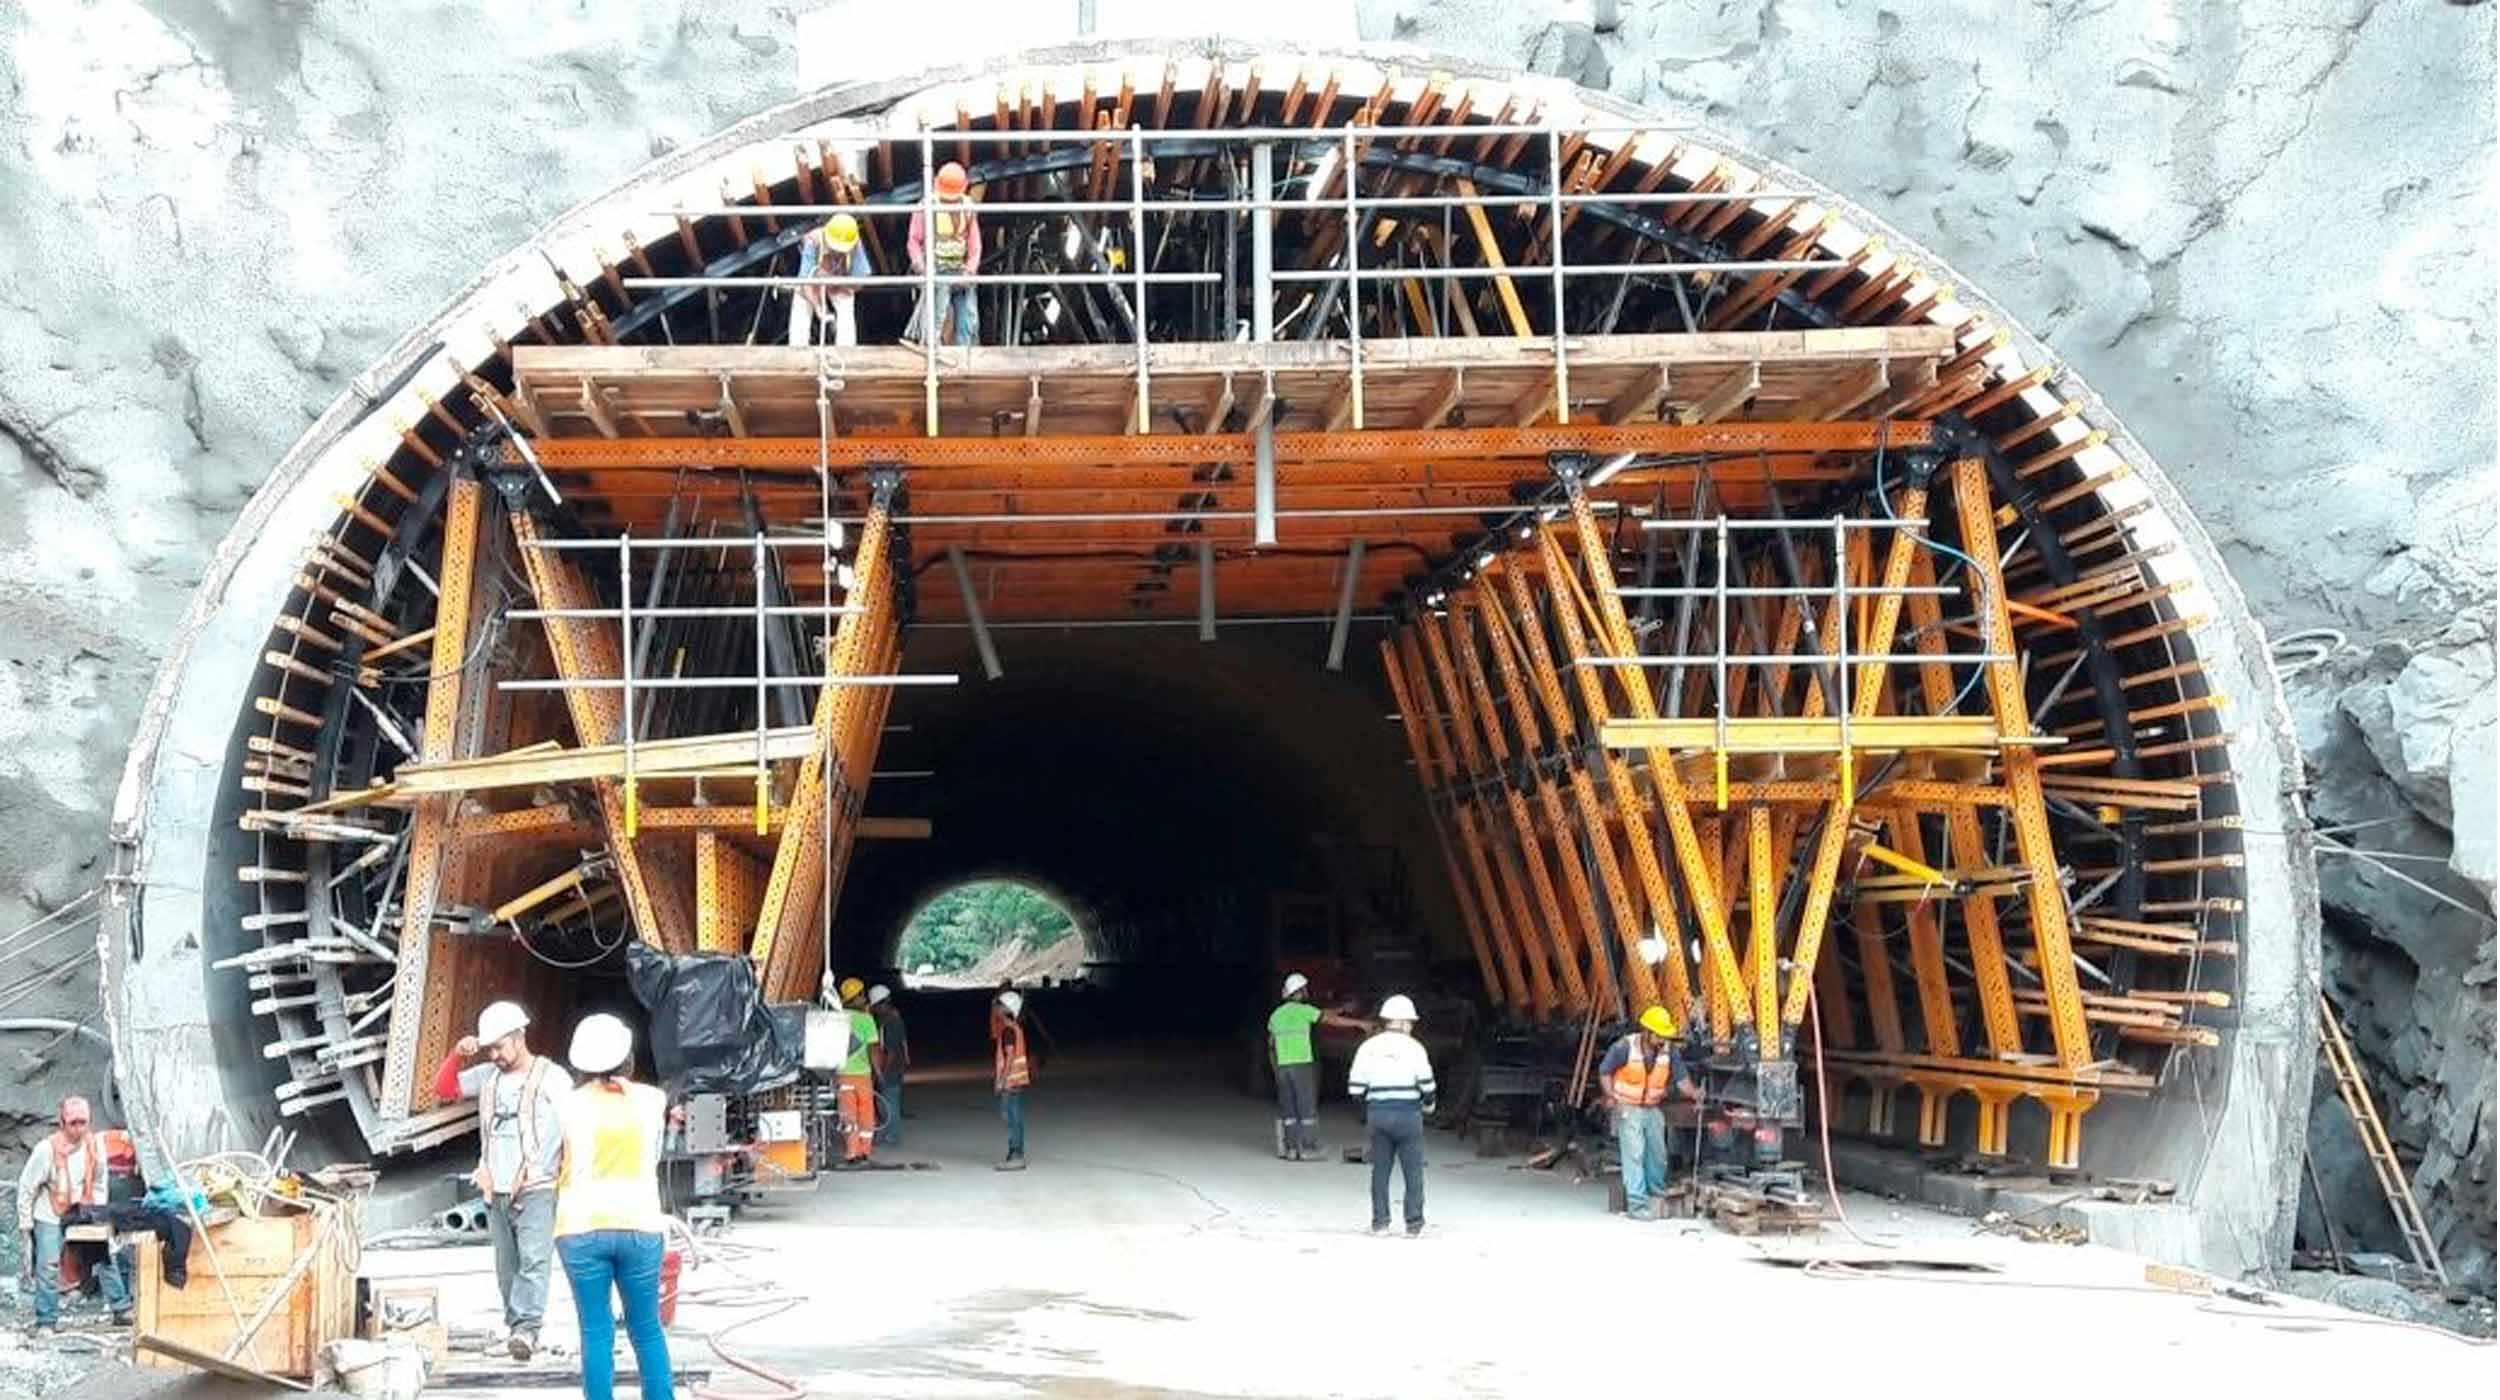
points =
(1424, 531)
(991, 931)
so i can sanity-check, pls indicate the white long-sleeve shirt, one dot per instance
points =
(1392, 1069)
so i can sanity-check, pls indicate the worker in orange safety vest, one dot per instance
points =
(64, 1178)
(1010, 1073)
(946, 239)
(1639, 1071)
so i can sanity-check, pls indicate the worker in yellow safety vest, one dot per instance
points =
(946, 239)
(1639, 1071)
(855, 1087)
(830, 251)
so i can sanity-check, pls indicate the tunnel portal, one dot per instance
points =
(1375, 509)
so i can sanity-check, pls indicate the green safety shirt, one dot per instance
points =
(1289, 1026)
(863, 1035)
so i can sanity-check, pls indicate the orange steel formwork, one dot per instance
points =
(1727, 658)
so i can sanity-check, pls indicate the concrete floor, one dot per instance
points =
(1156, 1247)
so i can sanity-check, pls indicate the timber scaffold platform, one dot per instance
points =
(1767, 637)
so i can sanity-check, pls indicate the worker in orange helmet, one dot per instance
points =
(63, 1180)
(831, 250)
(1639, 1071)
(946, 238)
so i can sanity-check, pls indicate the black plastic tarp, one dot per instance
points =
(711, 1032)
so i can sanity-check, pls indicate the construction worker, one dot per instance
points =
(609, 1223)
(1639, 1071)
(855, 1089)
(891, 1057)
(1392, 1077)
(1297, 1071)
(953, 248)
(64, 1178)
(830, 251)
(520, 1145)
(1010, 1074)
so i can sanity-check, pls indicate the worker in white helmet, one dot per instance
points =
(890, 1057)
(520, 1096)
(1297, 1071)
(1392, 1076)
(1011, 1072)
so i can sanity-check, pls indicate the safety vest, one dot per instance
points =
(1642, 1081)
(950, 238)
(611, 1173)
(86, 1192)
(1010, 1072)
(531, 1088)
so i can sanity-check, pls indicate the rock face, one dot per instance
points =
(2262, 230)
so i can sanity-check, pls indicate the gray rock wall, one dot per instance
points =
(2261, 229)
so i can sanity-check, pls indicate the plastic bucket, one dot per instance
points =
(669, 1264)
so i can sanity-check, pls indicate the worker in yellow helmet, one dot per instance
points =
(829, 251)
(1639, 1070)
(855, 1089)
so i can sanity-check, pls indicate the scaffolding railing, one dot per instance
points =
(1340, 152)
(762, 611)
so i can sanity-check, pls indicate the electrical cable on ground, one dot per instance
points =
(1823, 1124)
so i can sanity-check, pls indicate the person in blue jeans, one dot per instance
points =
(610, 1230)
(1639, 1072)
(63, 1179)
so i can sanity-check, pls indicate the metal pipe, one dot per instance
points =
(722, 682)
(1729, 523)
(1345, 606)
(1101, 624)
(1479, 274)
(1872, 591)
(1263, 482)
(1242, 206)
(1137, 265)
(1262, 245)
(732, 610)
(1554, 208)
(1777, 659)
(1206, 591)
(896, 279)
(972, 614)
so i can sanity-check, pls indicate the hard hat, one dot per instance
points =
(851, 987)
(951, 180)
(1399, 1008)
(879, 993)
(602, 1044)
(1013, 1001)
(1294, 982)
(1657, 1020)
(842, 231)
(500, 1019)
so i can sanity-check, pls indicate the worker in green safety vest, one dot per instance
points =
(1297, 1072)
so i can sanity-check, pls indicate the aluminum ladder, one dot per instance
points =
(2382, 1153)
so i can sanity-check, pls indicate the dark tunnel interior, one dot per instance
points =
(1184, 799)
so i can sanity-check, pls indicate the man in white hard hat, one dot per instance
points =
(1392, 1076)
(890, 1057)
(1297, 1071)
(1011, 1072)
(520, 1096)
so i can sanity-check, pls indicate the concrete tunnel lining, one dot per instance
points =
(168, 856)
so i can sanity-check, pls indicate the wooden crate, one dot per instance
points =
(256, 1255)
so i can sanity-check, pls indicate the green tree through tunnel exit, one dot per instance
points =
(979, 932)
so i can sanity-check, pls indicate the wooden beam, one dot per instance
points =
(1642, 400)
(1491, 248)
(652, 758)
